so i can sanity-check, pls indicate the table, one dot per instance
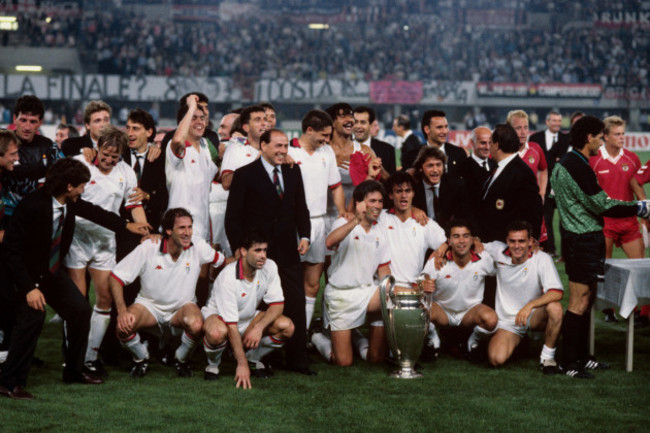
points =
(626, 285)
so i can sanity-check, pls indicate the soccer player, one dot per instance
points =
(459, 287)
(269, 115)
(351, 296)
(232, 313)
(319, 174)
(581, 204)
(528, 297)
(168, 272)
(93, 247)
(529, 152)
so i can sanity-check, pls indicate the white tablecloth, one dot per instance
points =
(627, 284)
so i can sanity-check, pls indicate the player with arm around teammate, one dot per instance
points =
(232, 315)
(528, 296)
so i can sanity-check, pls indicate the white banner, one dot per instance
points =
(316, 91)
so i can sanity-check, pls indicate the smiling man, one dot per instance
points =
(269, 195)
(97, 114)
(436, 131)
(477, 167)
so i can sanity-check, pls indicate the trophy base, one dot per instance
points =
(406, 373)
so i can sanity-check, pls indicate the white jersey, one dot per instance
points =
(357, 257)
(517, 285)
(459, 289)
(107, 191)
(189, 177)
(408, 242)
(167, 284)
(319, 172)
(235, 299)
(237, 155)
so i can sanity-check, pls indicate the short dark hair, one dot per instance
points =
(6, 138)
(399, 178)
(144, 118)
(182, 111)
(72, 131)
(339, 108)
(459, 222)
(95, 107)
(428, 115)
(29, 104)
(252, 237)
(518, 226)
(366, 187)
(404, 121)
(237, 127)
(506, 138)
(245, 116)
(112, 137)
(169, 218)
(427, 152)
(201, 96)
(266, 135)
(576, 114)
(585, 126)
(316, 119)
(267, 106)
(64, 172)
(363, 109)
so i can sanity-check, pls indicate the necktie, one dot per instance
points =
(485, 165)
(55, 249)
(436, 202)
(137, 167)
(276, 182)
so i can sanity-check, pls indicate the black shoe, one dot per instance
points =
(183, 369)
(140, 368)
(96, 368)
(84, 378)
(211, 375)
(610, 315)
(16, 393)
(549, 367)
(260, 370)
(429, 353)
(592, 364)
(577, 372)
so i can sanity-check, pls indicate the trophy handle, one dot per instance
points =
(386, 289)
(427, 298)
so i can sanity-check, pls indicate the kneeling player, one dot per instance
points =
(528, 296)
(351, 294)
(231, 312)
(459, 287)
(166, 302)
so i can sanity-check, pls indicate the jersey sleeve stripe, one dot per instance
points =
(118, 279)
(556, 290)
(226, 171)
(384, 264)
(336, 185)
(276, 303)
(132, 206)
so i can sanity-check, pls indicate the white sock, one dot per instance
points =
(267, 345)
(378, 323)
(477, 335)
(432, 337)
(187, 344)
(547, 353)
(99, 321)
(214, 355)
(136, 347)
(323, 344)
(360, 343)
(309, 309)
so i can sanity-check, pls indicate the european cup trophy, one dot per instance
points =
(406, 320)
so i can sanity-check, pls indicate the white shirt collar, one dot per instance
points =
(478, 160)
(507, 160)
(606, 155)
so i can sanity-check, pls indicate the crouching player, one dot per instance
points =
(166, 303)
(528, 296)
(351, 294)
(231, 313)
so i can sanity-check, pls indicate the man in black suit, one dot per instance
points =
(97, 114)
(511, 192)
(363, 118)
(268, 194)
(554, 144)
(411, 144)
(436, 130)
(35, 244)
(442, 196)
(477, 167)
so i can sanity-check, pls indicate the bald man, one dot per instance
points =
(477, 167)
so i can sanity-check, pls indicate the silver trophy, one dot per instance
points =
(406, 320)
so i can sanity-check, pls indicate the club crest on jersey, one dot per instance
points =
(323, 162)
(475, 276)
(414, 231)
(121, 182)
(525, 272)
(499, 204)
(377, 243)
(531, 159)
(187, 267)
(625, 167)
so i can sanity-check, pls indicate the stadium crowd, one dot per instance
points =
(219, 239)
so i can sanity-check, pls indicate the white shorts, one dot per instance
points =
(89, 250)
(509, 325)
(317, 249)
(163, 317)
(346, 308)
(208, 311)
(218, 204)
(329, 223)
(455, 317)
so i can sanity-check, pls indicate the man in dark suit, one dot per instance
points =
(436, 130)
(554, 144)
(97, 114)
(442, 196)
(35, 244)
(411, 144)
(477, 167)
(268, 194)
(363, 118)
(511, 192)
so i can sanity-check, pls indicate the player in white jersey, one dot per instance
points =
(351, 294)
(319, 174)
(232, 313)
(528, 297)
(112, 182)
(239, 152)
(166, 303)
(459, 287)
